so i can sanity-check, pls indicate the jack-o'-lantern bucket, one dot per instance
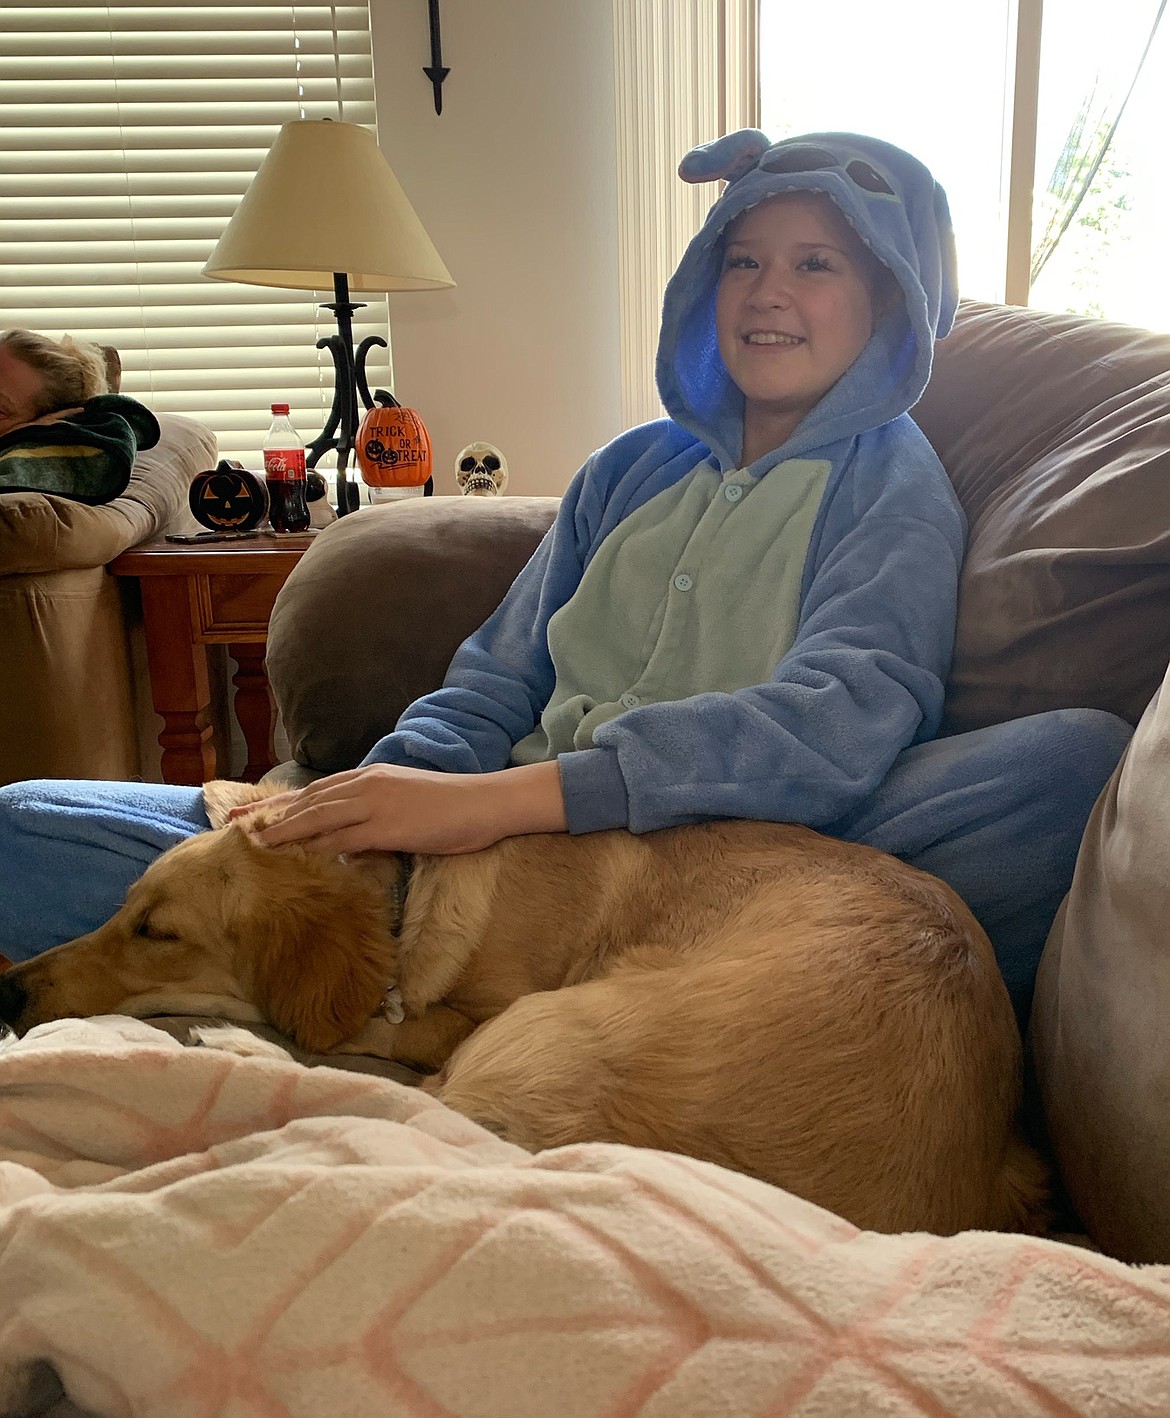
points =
(394, 447)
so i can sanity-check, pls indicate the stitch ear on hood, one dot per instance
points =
(727, 158)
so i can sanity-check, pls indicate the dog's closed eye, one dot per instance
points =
(147, 929)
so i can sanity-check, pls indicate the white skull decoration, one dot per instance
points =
(481, 471)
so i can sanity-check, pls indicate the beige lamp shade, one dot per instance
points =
(323, 201)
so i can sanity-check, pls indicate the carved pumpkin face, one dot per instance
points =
(393, 448)
(228, 498)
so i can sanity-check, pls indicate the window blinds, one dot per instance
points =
(128, 134)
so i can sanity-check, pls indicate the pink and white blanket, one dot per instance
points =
(187, 1233)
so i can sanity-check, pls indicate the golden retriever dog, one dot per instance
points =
(808, 1011)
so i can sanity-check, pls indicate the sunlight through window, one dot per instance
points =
(936, 80)
(931, 78)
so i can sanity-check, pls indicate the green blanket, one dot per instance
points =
(86, 458)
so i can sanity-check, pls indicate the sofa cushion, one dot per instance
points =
(1055, 431)
(40, 532)
(379, 604)
(1099, 1022)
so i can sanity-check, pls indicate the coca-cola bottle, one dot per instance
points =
(284, 468)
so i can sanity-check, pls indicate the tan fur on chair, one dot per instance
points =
(804, 1010)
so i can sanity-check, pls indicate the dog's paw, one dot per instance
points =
(231, 1039)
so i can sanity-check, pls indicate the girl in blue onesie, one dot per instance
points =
(744, 610)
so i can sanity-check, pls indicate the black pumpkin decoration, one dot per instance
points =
(228, 498)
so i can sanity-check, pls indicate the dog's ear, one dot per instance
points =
(220, 796)
(322, 958)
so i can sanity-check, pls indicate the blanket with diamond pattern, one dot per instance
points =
(187, 1233)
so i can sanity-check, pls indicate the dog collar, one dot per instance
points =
(396, 895)
(391, 1008)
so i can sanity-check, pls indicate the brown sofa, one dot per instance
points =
(1056, 433)
(70, 707)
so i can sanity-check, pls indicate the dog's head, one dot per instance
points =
(221, 924)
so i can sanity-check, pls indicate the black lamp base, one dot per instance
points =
(340, 431)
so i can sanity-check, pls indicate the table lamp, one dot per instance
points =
(325, 207)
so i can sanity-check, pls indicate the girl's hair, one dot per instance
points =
(71, 371)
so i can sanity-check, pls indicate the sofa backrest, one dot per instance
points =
(1055, 431)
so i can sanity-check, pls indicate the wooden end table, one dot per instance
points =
(220, 593)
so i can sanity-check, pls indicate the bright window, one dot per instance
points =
(128, 134)
(938, 81)
(891, 71)
(1109, 259)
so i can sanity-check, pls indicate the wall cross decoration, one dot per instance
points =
(435, 70)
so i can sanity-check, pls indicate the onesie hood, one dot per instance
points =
(897, 209)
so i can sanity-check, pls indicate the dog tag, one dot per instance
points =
(393, 1011)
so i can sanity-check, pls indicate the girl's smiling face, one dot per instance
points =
(793, 310)
(22, 392)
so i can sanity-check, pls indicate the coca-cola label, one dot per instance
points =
(282, 465)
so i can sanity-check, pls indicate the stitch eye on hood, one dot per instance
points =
(897, 209)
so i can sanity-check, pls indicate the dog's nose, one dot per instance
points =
(13, 998)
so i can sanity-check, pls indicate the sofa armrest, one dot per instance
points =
(376, 607)
(1098, 1029)
(40, 532)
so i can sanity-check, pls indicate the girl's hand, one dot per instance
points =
(387, 808)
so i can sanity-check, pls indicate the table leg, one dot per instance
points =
(179, 684)
(254, 709)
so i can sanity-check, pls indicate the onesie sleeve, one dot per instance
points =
(500, 678)
(863, 680)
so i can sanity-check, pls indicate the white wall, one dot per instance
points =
(516, 184)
